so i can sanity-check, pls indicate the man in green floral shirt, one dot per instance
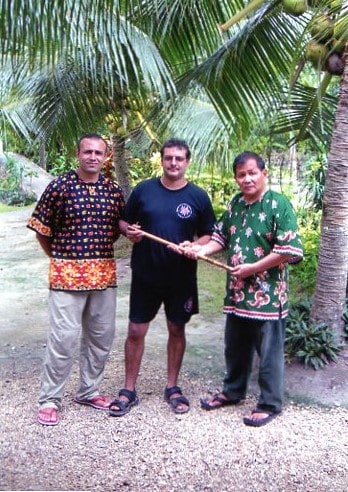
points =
(260, 234)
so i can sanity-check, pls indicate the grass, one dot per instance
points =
(211, 285)
(7, 208)
(123, 247)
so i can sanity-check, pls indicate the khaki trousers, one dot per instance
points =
(88, 317)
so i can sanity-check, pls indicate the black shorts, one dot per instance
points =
(180, 300)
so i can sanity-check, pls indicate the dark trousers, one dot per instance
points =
(242, 338)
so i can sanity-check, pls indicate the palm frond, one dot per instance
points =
(45, 33)
(293, 114)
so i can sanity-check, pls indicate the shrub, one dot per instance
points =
(11, 180)
(303, 274)
(345, 319)
(314, 345)
(18, 198)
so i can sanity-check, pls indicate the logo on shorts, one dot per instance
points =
(184, 210)
(188, 305)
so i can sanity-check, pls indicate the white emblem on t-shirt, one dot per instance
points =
(184, 210)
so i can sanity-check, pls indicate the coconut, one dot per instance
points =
(316, 53)
(335, 64)
(295, 7)
(322, 28)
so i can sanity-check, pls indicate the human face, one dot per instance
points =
(251, 180)
(174, 164)
(91, 156)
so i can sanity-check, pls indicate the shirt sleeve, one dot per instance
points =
(287, 238)
(47, 211)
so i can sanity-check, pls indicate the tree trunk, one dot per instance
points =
(120, 163)
(2, 155)
(330, 294)
(42, 154)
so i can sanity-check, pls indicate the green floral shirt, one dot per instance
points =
(249, 233)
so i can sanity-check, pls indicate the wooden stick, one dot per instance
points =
(173, 245)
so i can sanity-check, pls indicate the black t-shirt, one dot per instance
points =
(174, 215)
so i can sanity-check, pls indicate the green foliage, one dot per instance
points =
(18, 198)
(313, 181)
(11, 180)
(219, 186)
(13, 175)
(303, 274)
(314, 345)
(141, 168)
(60, 163)
(345, 319)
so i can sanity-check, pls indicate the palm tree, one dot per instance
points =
(329, 298)
(246, 72)
(82, 60)
(254, 70)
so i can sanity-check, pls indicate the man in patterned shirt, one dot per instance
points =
(260, 234)
(76, 224)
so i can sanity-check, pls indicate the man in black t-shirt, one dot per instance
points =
(176, 210)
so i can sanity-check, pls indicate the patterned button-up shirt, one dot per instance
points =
(249, 233)
(81, 219)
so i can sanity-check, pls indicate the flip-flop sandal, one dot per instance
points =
(48, 411)
(249, 420)
(123, 406)
(223, 402)
(177, 401)
(99, 402)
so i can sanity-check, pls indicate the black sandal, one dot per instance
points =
(220, 402)
(175, 402)
(123, 406)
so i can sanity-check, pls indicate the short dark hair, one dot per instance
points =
(245, 156)
(95, 136)
(176, 142)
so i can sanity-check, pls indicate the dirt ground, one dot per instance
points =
(23, 325)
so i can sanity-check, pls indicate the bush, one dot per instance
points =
(11, 180)
(345, 319)
(303, 274)
(314, 345)
(18, 198)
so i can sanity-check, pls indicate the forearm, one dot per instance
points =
(202, 240)
(208, 248)
(132, 232)
(272, 260)
(123, 225)
(45, 243)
